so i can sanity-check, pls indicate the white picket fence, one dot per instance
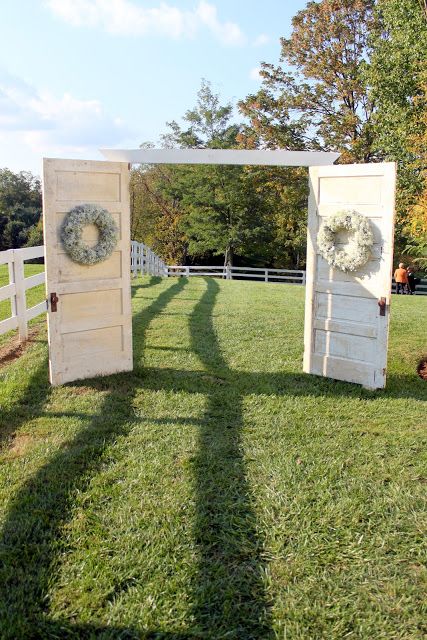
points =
(291, 276)
(17, 288)
(144, 261)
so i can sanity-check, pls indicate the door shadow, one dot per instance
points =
(27, 404)
(30, 541)
(228, 594)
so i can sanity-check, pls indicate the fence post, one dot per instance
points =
(265, 275)
(21, 301)
(228, 276)
(303, 278)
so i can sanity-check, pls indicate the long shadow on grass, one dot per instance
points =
(30, 542)
(286, 384)
(152, 281)
(229, 593)
(27, 404)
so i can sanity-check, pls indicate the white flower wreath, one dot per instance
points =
(358, 250)
(71, 233)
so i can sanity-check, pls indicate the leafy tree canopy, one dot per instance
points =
(398, 79)
(317, 97)
(20, 207)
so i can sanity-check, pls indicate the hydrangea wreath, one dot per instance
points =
(358, 250)
(71, 234)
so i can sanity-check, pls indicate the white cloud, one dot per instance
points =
(261, 40)
(46, 124)
(227, 32)
(254, 74)
(124, 17)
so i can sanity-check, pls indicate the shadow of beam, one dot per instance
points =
(228, 592)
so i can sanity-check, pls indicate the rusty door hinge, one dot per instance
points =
(382, 306)
(53, 302)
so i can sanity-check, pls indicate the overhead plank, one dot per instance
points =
(221, 156)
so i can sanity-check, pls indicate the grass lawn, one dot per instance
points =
(215, 492)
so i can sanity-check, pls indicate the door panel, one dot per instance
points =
(345, 336)
(90, 334)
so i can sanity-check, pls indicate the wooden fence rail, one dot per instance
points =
(291, 276)
(145, 262)
(17, 287)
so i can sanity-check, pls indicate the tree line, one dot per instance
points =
(20, 210)
(352, 78)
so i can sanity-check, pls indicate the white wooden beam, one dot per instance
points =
(221, 156)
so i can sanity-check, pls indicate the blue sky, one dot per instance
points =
(76, 75)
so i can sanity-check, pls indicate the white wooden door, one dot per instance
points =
(90, 333)
(345, 334)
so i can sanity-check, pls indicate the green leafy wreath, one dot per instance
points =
(72, 228)
(358, 250)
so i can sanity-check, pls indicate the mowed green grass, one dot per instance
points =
(216, 491)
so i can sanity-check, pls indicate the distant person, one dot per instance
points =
(412, 280)
(401, 278)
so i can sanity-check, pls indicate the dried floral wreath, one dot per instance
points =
(71, 233)
(358, 250)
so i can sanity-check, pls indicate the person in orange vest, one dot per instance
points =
(401, 278)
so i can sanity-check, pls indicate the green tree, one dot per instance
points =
(224, 212)
(317, 97)
(156, 215)
(209, 210)
(284, 191)
(35, 235)
(225, 215)
(397, 77)
(208, 124)
(20, 207)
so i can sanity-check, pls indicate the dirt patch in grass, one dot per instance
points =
(20, 445)
(15, 349)
(79, 390)
(422, 368)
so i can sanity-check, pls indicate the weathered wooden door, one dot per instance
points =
(90, 331)
(346, 334)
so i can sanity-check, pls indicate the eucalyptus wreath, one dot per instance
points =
(71, 234)
(358, 250)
